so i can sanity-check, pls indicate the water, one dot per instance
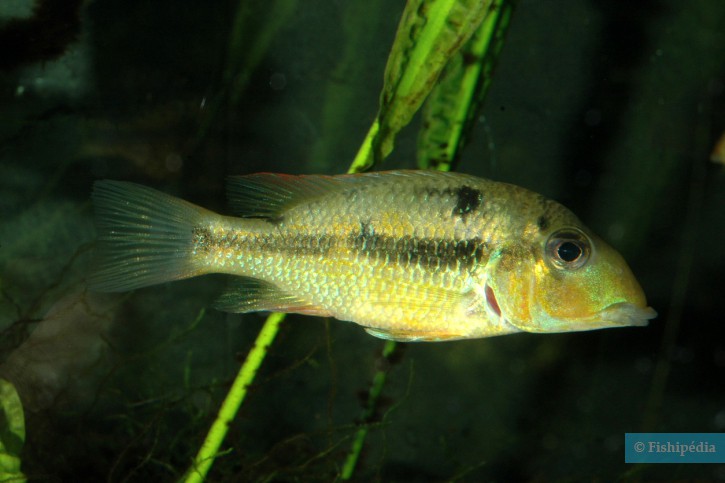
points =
(610, 110)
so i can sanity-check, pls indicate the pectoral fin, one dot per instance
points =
(416, 298)
(414, 295)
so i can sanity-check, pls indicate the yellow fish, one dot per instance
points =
(409, 255)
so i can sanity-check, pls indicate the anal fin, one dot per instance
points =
(245, 294)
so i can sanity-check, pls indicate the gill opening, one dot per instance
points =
(491, 300)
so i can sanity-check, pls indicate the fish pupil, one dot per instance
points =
(569, 251)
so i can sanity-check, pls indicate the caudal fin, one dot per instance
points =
(145, 237)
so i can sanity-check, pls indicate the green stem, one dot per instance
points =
(210, 448)
(376, 389)
(364, 159)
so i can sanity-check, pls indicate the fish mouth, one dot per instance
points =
(625, 314)
(620, 314)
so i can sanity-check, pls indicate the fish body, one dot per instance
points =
(409, 255)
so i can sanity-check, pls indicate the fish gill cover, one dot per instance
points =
(611, 108)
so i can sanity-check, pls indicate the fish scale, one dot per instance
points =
(409, 255)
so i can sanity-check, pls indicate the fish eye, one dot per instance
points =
(568, 249)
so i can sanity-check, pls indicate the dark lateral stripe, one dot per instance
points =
(406, 251)
(206, 242)
(427, 252)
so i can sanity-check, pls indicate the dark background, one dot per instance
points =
(611, 107)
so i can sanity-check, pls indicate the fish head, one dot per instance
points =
(566, 280)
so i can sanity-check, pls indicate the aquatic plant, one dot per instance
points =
(12, 435)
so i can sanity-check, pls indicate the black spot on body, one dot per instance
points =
(542, 223)
(467, 200)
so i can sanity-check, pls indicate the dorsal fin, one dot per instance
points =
(268, 195)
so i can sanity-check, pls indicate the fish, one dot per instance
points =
(409, 255)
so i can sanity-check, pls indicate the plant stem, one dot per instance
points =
(376, 388)
(210, 448)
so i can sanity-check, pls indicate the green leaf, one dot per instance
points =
(450, 110)
(12, 433)
(429, 34)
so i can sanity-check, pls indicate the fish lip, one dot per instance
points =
(620, 314)
(626, 314)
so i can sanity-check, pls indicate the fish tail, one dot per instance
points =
(145, 237)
